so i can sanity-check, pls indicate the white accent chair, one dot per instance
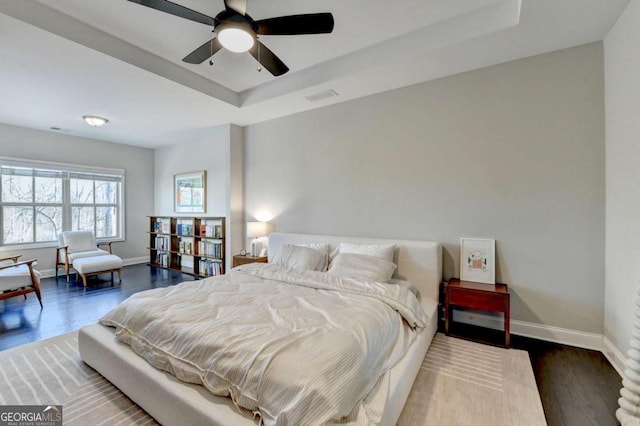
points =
(75, 245)
(18, 278)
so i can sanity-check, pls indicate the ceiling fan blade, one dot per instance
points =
(177, 10)
(239, 6)
(204, 52)
(312, 23)
(268, 59)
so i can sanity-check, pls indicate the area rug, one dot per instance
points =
(466, 383)
(459, 383)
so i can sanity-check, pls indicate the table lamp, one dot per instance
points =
(256, 230)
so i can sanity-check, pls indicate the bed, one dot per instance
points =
(171, 401)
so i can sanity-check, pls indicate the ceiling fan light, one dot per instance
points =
(235, 39)
(94, 120)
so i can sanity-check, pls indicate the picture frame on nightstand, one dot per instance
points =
(478, 260)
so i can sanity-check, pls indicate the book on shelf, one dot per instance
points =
(210, 231)
(162, 227)
(209, 268)
(162, 259)
(184, 229)
(185, 247)
(162, 243)
(210, 248)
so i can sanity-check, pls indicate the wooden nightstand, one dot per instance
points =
(467, 294)
(243, 259)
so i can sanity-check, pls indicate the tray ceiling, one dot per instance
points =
(67, 58)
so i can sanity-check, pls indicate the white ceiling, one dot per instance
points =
(62, 59)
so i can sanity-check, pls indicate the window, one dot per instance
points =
(94, 202)
(40, 200)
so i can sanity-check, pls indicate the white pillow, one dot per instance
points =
(323, 248)
(362, 267)
(384, 251)
(298, 257)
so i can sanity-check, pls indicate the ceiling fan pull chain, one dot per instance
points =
(259, 66)
(211, 48)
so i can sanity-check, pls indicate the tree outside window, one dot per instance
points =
(37, 204)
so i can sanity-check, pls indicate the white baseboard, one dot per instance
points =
(135, 260)
(564, 336)
(580, 339)
(614, 356)
(47, 273)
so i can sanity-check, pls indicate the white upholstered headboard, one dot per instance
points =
(419, 262)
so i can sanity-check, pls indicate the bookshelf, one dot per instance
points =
(191, 245)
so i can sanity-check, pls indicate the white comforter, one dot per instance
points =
(291, 347)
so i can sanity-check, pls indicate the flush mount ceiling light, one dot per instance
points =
(94, 120)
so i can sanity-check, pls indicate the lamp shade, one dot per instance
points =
(257, 229)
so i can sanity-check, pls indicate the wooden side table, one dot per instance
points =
(467, 294)
(243, 259)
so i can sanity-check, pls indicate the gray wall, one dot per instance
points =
(218, 150)
(137, 162)
(204, 149)
(622, 95)
(513, 152)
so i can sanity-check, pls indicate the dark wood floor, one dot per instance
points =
(69, 306)
(577, 386)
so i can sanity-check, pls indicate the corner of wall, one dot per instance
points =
(235, 192)
(614, 356)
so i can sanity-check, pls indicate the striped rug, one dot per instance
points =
(460, 383)
(51, 372)
(466, 383)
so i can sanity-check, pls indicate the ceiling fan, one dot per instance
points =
(236, 31)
